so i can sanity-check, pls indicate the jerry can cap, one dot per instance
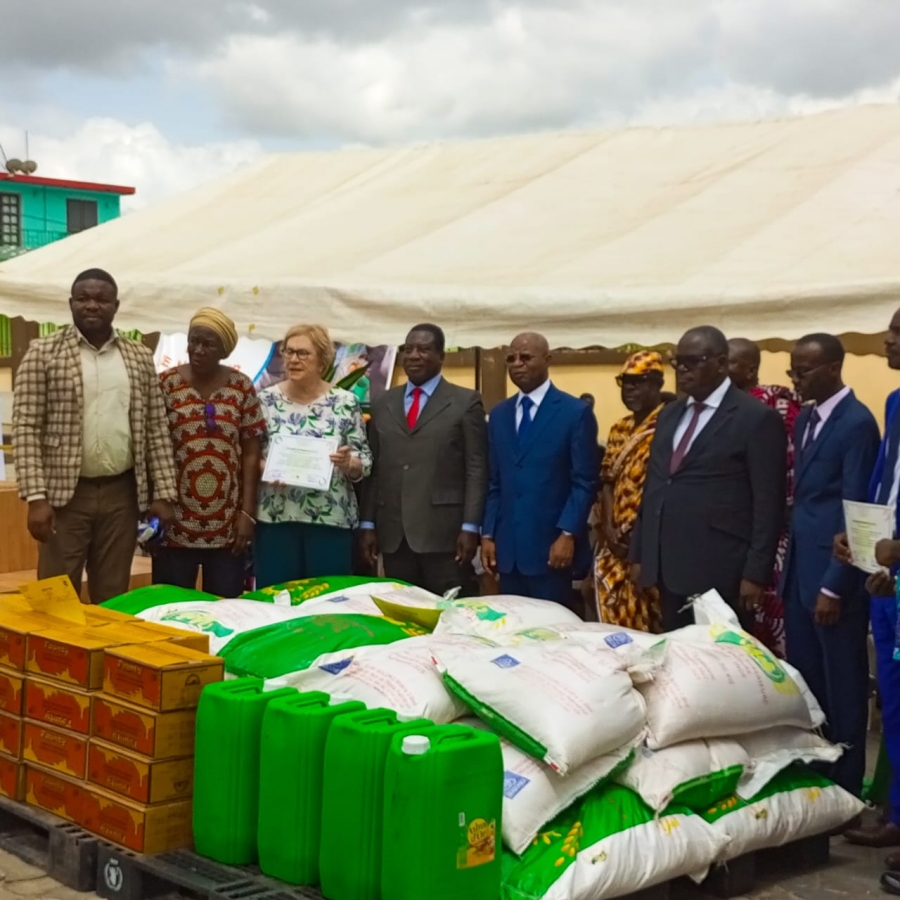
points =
(416, 745)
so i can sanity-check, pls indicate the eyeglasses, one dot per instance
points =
(800, 374)
(513, 358)
(421, 349)
(622, 380)
(296, 353)
(689, 362)
(211, 424)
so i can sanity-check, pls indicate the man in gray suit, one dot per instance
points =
(424, 501)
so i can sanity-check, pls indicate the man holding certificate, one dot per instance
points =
(424, 502)
(826, 605)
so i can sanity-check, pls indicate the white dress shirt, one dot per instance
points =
(824, 409)
(712, 402)
(107, 448)
(536, 397)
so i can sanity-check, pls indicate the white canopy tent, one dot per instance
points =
(768, 229)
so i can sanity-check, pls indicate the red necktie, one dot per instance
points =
(685, 443)
(413, 415)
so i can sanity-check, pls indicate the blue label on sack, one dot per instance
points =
(341, 598)
(619, 639)
(513, 783)
(336, 668)
(505, 661)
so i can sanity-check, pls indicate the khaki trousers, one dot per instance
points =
(95, 531)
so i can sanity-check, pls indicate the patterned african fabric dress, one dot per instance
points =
(207, 436)
(770, 615)
(624, 467)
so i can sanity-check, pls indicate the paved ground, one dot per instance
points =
(852, 873)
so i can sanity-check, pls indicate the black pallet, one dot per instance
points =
(123, 875)
(64, 851)
(740, 876)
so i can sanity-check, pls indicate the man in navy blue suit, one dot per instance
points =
(544, 475)
(826, 607)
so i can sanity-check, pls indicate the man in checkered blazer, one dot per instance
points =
(92, 444)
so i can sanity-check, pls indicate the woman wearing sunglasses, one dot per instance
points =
(622, 476)
(216, 426)
(305, 532)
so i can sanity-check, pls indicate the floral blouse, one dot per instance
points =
(336, 414)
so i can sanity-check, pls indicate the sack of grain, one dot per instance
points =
(776, 749)
(399, 676)
(314, 588)
(296, 644)
(694, 774)
(222, 620)
(494, 617)
(796, 804)
(610, 844)
(135, 602)
(533, 794)
(719, 683)
(561, 701)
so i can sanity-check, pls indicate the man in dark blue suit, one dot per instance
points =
(544, 475)
(826, 607)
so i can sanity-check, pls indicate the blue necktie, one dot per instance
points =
(810, 437)
(527, 405)
(890, 461)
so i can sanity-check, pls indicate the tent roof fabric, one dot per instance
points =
(766, 229)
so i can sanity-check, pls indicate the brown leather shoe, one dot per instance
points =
(884, 835)
(852, 825)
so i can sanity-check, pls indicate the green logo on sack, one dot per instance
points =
(767, 663)
(204, 621)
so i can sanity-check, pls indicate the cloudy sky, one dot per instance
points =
(165, 94)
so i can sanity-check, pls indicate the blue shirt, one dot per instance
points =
(428, 389)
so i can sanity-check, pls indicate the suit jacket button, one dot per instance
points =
(669, 481)
(405, 468)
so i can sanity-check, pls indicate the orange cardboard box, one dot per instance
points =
(55, 703)
(11, 691)
(55, 793)
(52, 748)
(75, 654)
(100, 615)
(151, 734)
(10, 735)
(12, 779)
(196, 640)
(14, 630)
(137, 777)
(144, 829)
(161, 676)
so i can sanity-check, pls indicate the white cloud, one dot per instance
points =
(105, 150)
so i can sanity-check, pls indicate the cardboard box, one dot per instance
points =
(137, 777)
(14, 603)
(196, 640)
(57, 704)
(100, 615)
(12, 686)
(161, 676)
(143, 829)
(12, 779)
(14, 631)
(155, 735)
(10, 735)
(75, 655)
(52, 748)
(54, 793)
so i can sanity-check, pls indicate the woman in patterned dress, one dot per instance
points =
(216, 427)
(743, 369)
(622, 477)
(304, 533)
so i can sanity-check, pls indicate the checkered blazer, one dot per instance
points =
(48, 426)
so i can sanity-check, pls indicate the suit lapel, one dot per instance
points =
(394, 402)
(829, 426)
(546, 412)
(665, 435)
(133, 368)
(73, 363)
(724, 412)
(436, 404)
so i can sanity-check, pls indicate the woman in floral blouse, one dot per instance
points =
(301, 532)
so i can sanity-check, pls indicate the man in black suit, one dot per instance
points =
(424, 501)
(714, 500)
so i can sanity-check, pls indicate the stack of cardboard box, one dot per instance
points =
(97, 721)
